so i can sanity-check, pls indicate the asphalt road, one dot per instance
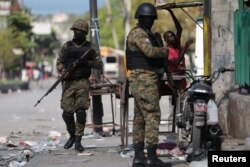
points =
(18, 113)
(21, 121)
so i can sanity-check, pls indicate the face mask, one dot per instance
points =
(80, 35)
(147, 22)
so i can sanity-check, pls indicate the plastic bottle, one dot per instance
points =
(212, 113)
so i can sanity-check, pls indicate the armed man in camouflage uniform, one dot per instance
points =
(75, 86)
(144, 56)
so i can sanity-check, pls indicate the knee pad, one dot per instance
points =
(81, 116)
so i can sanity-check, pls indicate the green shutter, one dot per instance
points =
(242, 46)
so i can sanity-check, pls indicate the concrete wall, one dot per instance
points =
(222, 53)
(239, 115)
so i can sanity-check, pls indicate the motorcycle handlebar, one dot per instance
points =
(222, 69)
(209, 78)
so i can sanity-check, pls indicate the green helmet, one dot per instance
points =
(80, 25)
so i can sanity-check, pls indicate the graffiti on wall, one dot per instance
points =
(224, 44)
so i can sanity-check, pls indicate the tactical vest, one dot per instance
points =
(138, 60)
(73, 53)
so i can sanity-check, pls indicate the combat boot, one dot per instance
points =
(152, 160)
(78, 145)
(139, 159)
(70, 124)
(70, 142)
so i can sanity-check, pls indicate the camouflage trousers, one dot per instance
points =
(145, 89)
(75, 95)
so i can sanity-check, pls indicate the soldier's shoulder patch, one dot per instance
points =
(147, 40)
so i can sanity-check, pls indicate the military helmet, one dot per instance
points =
(146, 9)
(80, 25)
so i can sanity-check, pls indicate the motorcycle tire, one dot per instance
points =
(184, 130)
(196, 137)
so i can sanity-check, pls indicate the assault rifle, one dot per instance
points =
(67, 72)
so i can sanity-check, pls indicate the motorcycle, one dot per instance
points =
(197, 121)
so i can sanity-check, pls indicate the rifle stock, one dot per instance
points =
(69, 70)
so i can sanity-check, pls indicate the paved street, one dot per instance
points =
(27, 127)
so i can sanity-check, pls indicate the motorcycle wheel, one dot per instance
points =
(184, 133)
(196, 137)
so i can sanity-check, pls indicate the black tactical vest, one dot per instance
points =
(73, 53)
(137, 59)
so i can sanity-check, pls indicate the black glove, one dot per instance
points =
(91, 54)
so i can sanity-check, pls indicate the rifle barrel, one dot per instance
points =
(69, 70)
(50, 90)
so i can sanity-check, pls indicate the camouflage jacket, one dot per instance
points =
(138, 39)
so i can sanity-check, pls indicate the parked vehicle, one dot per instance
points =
(112, 62)
(111, 66)
(198, 117)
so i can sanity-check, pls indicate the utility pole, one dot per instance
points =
(94, 37)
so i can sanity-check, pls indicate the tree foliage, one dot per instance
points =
(7, 57)
(20, 23)
(46, 44)
(117, 21)
(17, 35)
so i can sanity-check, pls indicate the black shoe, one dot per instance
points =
(70, 124)
(138, 163)
(69, 143)
(78, 145)
(152, 160)
(157, 163)
(139, 158)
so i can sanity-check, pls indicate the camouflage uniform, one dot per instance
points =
(144, 85)
(75, 93)
(145, 57)
(76, 85)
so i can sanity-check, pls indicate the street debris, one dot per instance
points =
(176, 152)
(170, 148)
(18, 148)
(128, 151)
(54, 138)
(3, 139)
(17, 164)
(85, 154)
(18, 153)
